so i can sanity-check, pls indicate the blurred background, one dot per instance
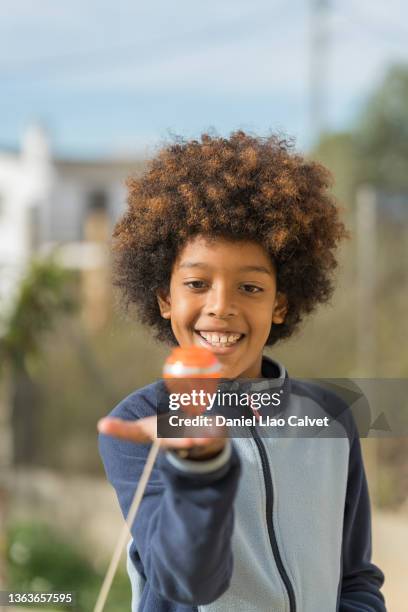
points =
(88, 92)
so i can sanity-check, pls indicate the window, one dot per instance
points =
(97, 201)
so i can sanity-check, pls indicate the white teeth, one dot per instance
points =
(220, 340)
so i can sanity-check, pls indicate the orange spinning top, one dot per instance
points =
(191, 362)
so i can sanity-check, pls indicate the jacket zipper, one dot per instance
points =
(269, 509)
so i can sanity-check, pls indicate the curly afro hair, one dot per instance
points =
(239, 188)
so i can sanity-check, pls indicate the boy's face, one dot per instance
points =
(223, 296)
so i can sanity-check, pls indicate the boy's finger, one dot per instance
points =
(134, 431)
(144, 430)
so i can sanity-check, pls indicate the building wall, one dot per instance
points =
(46, 201)
(26, 180)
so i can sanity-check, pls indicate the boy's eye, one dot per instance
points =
(195, 284)
(251, 288)
(200, 284)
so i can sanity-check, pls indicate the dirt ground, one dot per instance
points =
(390, 553)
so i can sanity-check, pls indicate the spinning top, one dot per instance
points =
(191, 362)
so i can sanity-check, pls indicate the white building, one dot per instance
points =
(46, 200)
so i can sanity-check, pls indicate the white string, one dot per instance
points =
(124, 534)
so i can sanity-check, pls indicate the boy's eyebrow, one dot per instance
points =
(255, 269)
(200, 264)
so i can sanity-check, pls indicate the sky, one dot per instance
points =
(115, 78)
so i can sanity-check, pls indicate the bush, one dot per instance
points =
(40, 560)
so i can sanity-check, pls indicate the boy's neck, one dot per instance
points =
(255, 370)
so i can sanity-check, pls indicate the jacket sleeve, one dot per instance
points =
(182, 532)
(361, 580)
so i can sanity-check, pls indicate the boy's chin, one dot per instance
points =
(230, 367)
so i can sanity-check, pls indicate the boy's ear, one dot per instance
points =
(163, 299)
(280, 309)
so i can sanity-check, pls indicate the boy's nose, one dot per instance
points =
(220, 303)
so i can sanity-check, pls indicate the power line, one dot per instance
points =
(81, 61)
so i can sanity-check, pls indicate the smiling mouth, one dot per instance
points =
(220, 340)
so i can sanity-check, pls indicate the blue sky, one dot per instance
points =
(112, 78)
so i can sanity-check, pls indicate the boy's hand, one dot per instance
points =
(144, 431)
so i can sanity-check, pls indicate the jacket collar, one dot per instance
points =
(275, 380)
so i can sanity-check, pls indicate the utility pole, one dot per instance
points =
(319, 66)
(366, 229)
(366, 232)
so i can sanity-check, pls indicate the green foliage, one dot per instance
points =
(375, 149)
(45, 293)
(40, 560)
(381, 135)
(337, 152)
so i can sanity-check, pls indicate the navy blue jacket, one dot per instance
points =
(271, 524)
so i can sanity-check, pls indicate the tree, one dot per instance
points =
(381, 134)
(375, 152)
(45, 294)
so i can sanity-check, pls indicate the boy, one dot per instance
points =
(227, 244)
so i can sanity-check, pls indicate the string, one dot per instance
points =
(124, 534)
